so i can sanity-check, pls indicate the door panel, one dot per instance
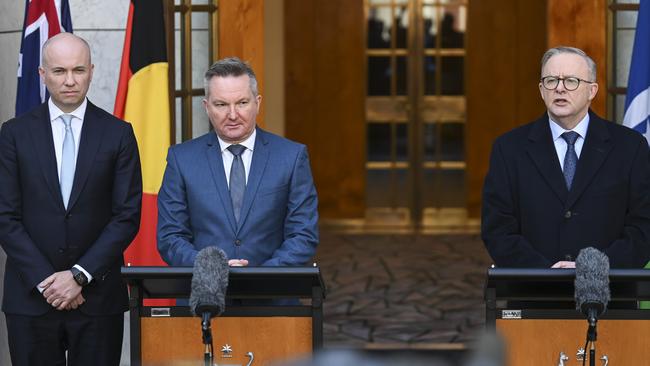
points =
(415, 110)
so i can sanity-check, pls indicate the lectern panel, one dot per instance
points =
(177, 340)
(538, 342)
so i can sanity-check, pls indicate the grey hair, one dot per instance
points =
(576, 51)
(231, 66)
(59, 35)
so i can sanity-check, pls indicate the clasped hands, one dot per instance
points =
(61, 291)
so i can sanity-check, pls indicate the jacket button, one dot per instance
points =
(237, 242)
(567, 215)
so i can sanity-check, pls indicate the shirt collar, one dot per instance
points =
(580, 128)
(249, 143)
(56, 112)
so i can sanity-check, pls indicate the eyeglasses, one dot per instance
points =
(571, 83)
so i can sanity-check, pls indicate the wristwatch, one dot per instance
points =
(79, 276)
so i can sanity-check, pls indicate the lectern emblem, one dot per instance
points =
(226, 351)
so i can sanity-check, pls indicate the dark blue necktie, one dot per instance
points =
(571, 158)
(237, 179)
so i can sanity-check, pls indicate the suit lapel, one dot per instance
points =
(44, 145)
(542, 151)
(215, 161)
(594, 151)
(90, 140)
(258, 165)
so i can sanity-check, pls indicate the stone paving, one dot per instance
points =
(402, 290)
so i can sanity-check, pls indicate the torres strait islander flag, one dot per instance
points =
(143, 100)
(43, 19)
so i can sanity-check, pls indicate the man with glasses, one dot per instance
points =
(568, 180)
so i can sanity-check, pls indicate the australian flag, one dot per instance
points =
(637, 102)
(43, 19)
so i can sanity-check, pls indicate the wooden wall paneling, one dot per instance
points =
(505, 41)
(241, 34)
(325, 98)
(582, 24)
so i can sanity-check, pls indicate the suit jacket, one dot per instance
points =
(530, 219)
(40, 236)
(279, 216)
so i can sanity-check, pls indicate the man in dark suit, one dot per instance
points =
(568, 180)
(240, 188)
(69, 206)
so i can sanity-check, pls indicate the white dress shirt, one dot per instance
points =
(58, 129)
(58, 134)
(246, 156)
(561, 145)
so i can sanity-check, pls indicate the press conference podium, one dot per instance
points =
(170, 335)
(524, 306)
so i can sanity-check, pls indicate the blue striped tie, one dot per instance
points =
(237, 179)
(571, 158)
(67, 160)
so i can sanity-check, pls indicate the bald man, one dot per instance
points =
(69, 206)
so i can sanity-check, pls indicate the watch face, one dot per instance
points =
(80, 278)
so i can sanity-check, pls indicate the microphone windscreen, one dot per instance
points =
(209, 282)
(592, 279)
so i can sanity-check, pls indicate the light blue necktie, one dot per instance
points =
(237, 179)
(67, 160)
(571, 158)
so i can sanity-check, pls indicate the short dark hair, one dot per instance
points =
(230, 66)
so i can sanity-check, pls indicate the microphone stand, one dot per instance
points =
(592, 334)
(207, 339)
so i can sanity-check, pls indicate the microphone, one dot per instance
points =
(209, 283)
(592, 283)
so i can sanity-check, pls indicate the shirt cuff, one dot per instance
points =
(88, 276)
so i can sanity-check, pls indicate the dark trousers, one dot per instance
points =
(43, 340)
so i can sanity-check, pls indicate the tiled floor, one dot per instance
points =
(402, 290)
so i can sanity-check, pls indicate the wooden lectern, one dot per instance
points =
(243, 334)
(526, 307)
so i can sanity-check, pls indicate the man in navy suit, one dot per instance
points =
(240, 188)
(568, 180)
(70, 200)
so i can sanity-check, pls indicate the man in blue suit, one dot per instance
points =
(240, 188)
(568, 180)
(70, 195)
